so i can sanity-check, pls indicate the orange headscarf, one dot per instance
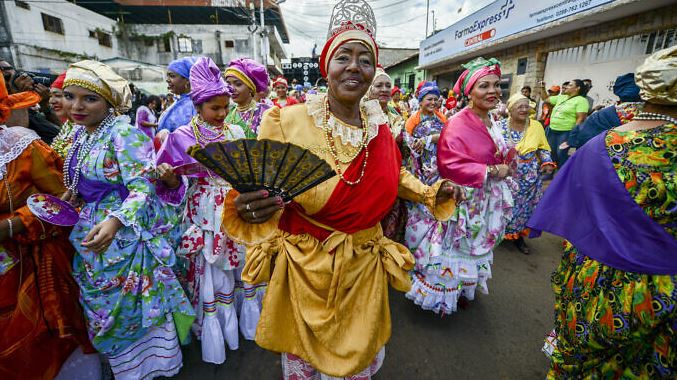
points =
(14, 101)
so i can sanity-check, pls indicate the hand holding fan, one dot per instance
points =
(284, 169)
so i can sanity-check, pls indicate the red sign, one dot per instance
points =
(480, 37)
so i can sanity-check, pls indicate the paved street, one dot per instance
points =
(498, 337)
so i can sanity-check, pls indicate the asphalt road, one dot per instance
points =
(498, 337)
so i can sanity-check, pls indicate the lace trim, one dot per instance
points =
(10, 148)
(348, 135)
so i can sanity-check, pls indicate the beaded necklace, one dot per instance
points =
(655, 116)
(246, 108)
(197, 122)
(83, 145)
(332, 147)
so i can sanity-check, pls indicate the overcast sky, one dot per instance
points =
(400, 23)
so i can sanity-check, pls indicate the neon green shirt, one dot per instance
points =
(564, 113)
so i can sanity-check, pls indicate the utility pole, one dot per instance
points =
(252, 8)
(427, 13)
(264, 51)
(434, 22)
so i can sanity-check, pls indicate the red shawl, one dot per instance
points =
(354, 208)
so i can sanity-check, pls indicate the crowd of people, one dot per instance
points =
(165, 251)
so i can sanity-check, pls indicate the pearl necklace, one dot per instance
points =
(332, 147)
(201, 138)
(85, 143)
(655, 116)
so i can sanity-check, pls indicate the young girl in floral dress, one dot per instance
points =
(212, 257)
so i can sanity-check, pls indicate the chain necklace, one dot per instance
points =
(197, 122)
(655, 116)
(246, 108)
(332, 147)
(83, 145)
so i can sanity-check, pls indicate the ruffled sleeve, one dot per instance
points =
(234, 226)
(135, 158)
(412, 189)
(46, 176)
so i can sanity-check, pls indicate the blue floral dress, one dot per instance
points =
(128, 292)
(530, 183)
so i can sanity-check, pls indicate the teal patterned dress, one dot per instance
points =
(130, 288)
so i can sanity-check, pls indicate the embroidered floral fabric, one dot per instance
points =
(611, 323)
(131, 287)
(529, 190)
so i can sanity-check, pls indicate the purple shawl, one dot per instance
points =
(588, 205)
(174, 149)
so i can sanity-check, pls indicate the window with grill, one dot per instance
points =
(92, 34)
(165, 45)
(22, 4)
(185, 45)
(104, 39)
(52, 24)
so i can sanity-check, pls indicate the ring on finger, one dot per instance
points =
(248, 207)
(253, 214)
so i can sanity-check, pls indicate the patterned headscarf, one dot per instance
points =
(15, 101)
(351, 21)
(657, 77)
(428, 88)
(280, 80)
(474, 70)
(206, 81)
(253, 74)
(101, 79)
(182, 66)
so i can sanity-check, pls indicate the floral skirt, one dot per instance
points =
(612, 324)
(454, 258)
(224, 305)
(295, 368)
(526, 197)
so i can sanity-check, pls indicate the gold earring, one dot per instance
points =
(471, 104)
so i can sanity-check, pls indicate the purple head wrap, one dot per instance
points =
(250, 72)
(182, 66)
(206, 81)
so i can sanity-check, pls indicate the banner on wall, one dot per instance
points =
(498, 20)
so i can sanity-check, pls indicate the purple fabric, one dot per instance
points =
(90, 190)
(144, 114)
(206, 81)
(174, 149)
(588, 205)
(254, 70)
(182, 66)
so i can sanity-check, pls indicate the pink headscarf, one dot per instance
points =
(206, 81)
(476, 69)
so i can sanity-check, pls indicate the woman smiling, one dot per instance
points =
(324, 254)
(133, 303)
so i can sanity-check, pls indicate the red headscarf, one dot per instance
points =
(348, 32)
(280, 80)
(58, 82)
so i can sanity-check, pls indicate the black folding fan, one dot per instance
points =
(284, 169)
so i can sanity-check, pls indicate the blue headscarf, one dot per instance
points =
(427, 89)
(182, 66)
(626, 89)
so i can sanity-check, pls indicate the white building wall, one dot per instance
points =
(210, 37)
(37, 49)
(603, 62)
